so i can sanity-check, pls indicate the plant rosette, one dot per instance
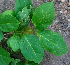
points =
(32, 47)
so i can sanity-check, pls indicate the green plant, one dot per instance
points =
(16, 22)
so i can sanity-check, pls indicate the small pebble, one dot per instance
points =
(63, 0)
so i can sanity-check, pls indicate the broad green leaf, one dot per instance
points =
(1, 36)
(8, 23)
(20, 4)
(43, 16)
(52, 42)
(31, 63)
(8, 12)
(5, 58)
(14, 42)
(31, 49)
(23, 17)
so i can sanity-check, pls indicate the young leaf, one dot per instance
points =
(28, 30)
(31, 63)
(52, 42)
(8, 23)
(5, 58)
(20, 63)
(1, 36)
(32, 11)
(17, 62)
(23, 17)
(8, 12)
(31, 49)
(20, 4)
(43, 16)
(14, 42)
(14, 62)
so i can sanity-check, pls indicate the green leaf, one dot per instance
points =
(43, 16)
(1, 36)
(8, 12)
(5, 58)
(32, 11)
(31, 49)
(52, 42)
(20, 63)
(20, 4)
(8, 23)
(17, 62)
(31, 63)
(24, 18)
(14, 42)
(14, 62)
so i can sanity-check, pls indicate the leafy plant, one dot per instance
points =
(5, 58)
(32, 48)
